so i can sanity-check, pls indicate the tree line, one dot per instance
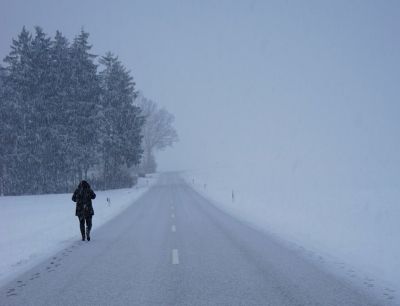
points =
(66, 115)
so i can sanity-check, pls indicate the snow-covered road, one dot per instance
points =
(172, 247)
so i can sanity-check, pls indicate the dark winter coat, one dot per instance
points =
(83, 196)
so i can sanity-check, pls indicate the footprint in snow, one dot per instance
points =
(34, 276)
(369, 284)
(21, 284)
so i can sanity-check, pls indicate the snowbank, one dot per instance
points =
(353, 231)
(34, 227)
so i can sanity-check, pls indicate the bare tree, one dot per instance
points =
(158, 132)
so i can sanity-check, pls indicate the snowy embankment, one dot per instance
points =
(34, 227)
(353, 232)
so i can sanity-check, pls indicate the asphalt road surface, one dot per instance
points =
(173, 247)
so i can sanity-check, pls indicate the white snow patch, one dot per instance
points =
(353, 232)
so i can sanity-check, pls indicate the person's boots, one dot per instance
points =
(83, 232)
(88, 234)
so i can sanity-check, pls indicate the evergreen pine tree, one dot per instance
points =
(121, 120)
(43, 137)
(60, 73)
(18, 91)
(82, 108)
(59, 118)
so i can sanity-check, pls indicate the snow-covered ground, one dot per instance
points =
(34, 227)
(352, 231)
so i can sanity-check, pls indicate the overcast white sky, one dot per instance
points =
(315, 81)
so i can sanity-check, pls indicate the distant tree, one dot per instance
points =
(158, 131)
(121, 122)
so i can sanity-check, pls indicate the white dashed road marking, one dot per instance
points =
(172, 216)
(173, 228)
(175, 257)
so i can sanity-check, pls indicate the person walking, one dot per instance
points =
(83, 197)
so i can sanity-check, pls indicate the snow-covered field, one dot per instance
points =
(34, 227)
(352, 231)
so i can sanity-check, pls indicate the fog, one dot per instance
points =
(313, 85)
